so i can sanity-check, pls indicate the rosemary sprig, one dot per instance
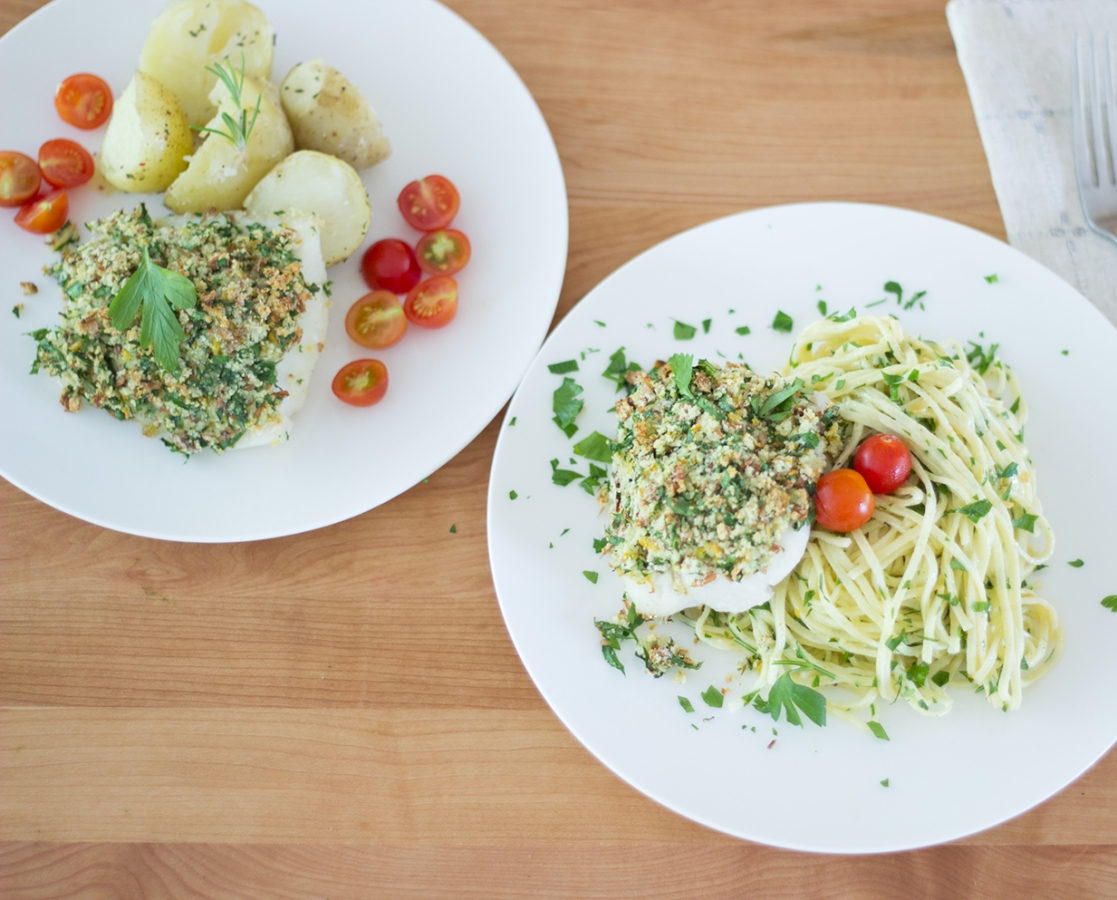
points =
(238, 130)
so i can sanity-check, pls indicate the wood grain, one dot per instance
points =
(274, 719)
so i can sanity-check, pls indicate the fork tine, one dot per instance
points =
(1083, 134)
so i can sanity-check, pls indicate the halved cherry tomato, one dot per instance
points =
(429, 203)
(19, 178)
(362, 382)
(390, 265)
(432, 303)
(84, 100)
(45, 214)
(65, 164)
(443, 252)
(884, 462)
(843, 501)
(376, 320)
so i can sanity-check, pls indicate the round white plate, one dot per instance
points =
(817, 788)
(451, 105)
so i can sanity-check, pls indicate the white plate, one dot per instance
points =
(818, 788)
(450, 104)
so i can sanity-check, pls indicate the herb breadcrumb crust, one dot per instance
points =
(711, 467)
(250, 341)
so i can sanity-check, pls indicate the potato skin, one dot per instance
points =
(220, 174)
(147, 140)
(192, 34)
(311, 182)
(328, 113)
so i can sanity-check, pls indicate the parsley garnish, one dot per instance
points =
(1026, 522)
(713, 697)
(878, 729)
(783, 322)
(619, 368)
(513, 422)
(590, 576)
(147, 289)
(682, 367)
(562, 477)
(684, 332)
(893, 287)
(561, 368)
(1077, 563)
(1110, 602)
(991, 279)
(744, 329)
(975, 510)
(852, 314)
(239, 130)
(566, 405)
(512, 495)
(453, 529)
(883, 781)
(941, 678)
(822, 308)
(792, 697)
(596, 446)
(685, 704)
(706, 325)
(980, 358)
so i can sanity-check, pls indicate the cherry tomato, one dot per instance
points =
(65, 164)
(376, 320)
(390, 265)
(443, 252)
(432, 303)
(884, 462)
(44, 215)
(19, 178)
(85, 101)
(843, 501)
(362, 382)
(429, 203)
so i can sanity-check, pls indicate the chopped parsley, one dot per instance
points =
(591, 576)
(596, 446)
(744, 329)
(684, 332)
(1077, 563)
(783, 322)
(878, 729)
(712, 697)
(453, 529)
(561, 368)
(566, 405)
(991, 279)
(975, 511)
(884, 781)
(512, 495)
(685, 704)
(789, 696)
(1110, 602)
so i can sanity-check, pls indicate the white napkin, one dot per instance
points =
(1018, 60)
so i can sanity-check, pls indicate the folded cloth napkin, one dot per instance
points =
(1017, 57)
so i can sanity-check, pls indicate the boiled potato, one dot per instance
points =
(148, 139)
(328, 113)
(192, 34)
(220, 173)
(312, 182)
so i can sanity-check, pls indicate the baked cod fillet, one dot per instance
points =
(251, 341)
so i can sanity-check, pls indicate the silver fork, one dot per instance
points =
(1095, 133)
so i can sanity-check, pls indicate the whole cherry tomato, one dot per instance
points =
(432, 303)
(843, 501)
(884, 462)
(19, 178)
(390, 265)
(84, 100)
(429, 203)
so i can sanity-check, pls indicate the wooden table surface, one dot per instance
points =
(263, 720)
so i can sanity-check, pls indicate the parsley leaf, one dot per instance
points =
(561, 368)
(596, 446)
(792, 697)
(713, 697)
(783, 322)
(1110, 602)
(512, 495)
(975, 511)
(878, 729)
(1077, 563)
(1026, 522)
(991, 279)
(562, 477)
(706, 325)
(685, 704)
(147, 291)
(744, 329)
(590, 576)
(682, 367)
(684, 332)
(892, 287)
(566, 406)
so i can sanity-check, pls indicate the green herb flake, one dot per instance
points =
(684, 332)
(512, 495)
(975, 511)
(894, 288)
(783, 322)
(1110, 602)
(878, 729)
(713, 698)
(561, 368)
(596, 446)
(884, 781)
(1076, 563)
(1026, 522)
(685, 704)
(591, 576)
(566, 405)
(822, 308)
(744, 329)
(991, 279)
(941, 678)
(787, 695)
(513, 422)
(706, 325)
(599, 322)
(453, 529)
(682, 367)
